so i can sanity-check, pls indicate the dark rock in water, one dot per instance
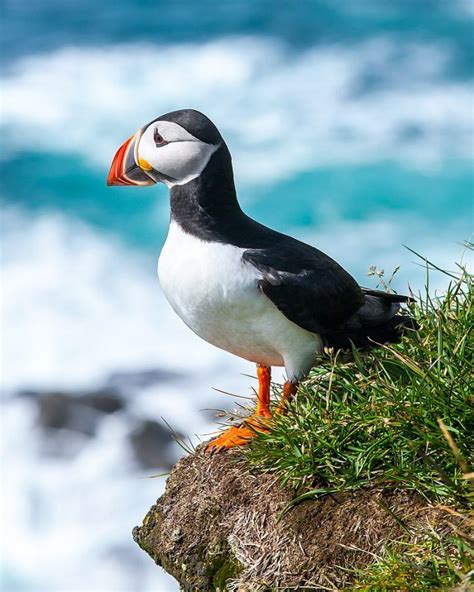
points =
(69, 419)
(104, 400)
(152, 445)
(58, 411)
(219, 526)
(142, 378)
(79, 413)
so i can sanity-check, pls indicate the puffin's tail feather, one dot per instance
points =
(369, 337)
(387, 296)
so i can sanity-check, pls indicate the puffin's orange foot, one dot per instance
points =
(238, 436)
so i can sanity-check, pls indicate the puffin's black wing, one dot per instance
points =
(317, 294)
(306, 285)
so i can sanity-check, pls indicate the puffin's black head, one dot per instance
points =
(174, 148)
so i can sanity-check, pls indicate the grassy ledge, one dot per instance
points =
(401, 416)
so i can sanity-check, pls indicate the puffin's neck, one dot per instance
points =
(207, 206)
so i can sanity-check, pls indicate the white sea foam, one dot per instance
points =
(282, 112)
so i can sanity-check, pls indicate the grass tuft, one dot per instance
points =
(434, 563)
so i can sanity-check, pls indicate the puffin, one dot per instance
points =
(252, 291)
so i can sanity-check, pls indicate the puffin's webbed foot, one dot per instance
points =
(238, 435)
(258, 422)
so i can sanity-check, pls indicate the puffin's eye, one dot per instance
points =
(158, 138)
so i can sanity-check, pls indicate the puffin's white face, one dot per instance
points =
(175, 154)
(163, 151)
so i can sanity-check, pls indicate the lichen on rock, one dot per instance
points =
(220, 527)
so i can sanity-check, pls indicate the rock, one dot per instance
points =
(59, 411)
(220, 527)
(79, 413)
(103, 400)
(152, 443)
(68, 420)
(82, 411)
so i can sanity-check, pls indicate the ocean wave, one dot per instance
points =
(282, 112)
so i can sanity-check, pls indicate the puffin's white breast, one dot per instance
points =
(217, 295)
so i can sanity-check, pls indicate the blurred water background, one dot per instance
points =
(351, 126)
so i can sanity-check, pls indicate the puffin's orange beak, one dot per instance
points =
(125, 169)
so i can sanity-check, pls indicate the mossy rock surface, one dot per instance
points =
(219, 527)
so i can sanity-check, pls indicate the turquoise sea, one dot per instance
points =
(351, 127)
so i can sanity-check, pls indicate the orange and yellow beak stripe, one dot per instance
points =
(125, 170)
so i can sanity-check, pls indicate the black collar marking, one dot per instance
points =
(207, 208)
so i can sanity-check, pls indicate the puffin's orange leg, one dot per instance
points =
(289, 390)
(264, 374)
(240, 435)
